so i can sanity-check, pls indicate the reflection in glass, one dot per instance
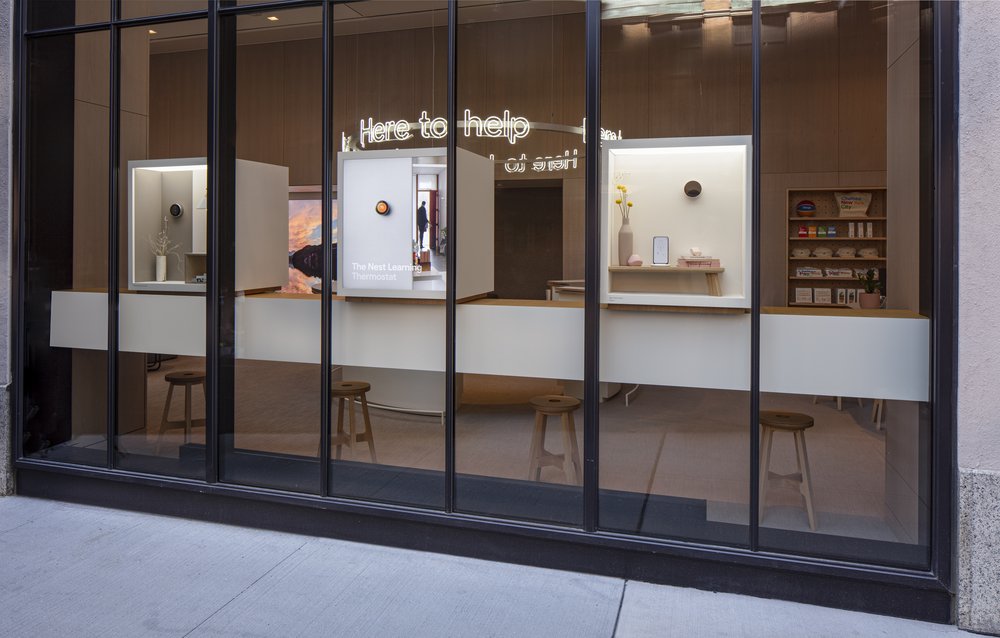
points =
(519, 336)
(675, 274)
(66, 260)
(388, 314)
(162, 250)
(845, 363)
(277, 260)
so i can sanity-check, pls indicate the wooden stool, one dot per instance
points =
(796, 424)
(561, 406)
(348, 392)
(187, 379)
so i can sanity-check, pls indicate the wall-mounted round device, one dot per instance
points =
(382, 207)
(692, 189)
(176, 210)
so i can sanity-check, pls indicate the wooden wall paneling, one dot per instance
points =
(343, 95)
(625, 101)
(134, 72)
(132, 146)
(676, 82)
(471, 83)
(90, 75)
(573, 226)
(260, 103)
(572, 76)
(810, 89)
(862, 92)
(90, 196)
(178, 99)
(720, 80)
(775, 107)
(302, 86)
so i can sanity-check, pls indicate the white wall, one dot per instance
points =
(979, 238)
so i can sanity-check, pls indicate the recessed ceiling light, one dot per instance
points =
(152, 32)
(272, 18)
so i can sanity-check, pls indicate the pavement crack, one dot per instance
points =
(621, 602)
(247, 588)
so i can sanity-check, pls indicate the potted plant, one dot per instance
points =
(870, 298)
(161, 247)
(625, 231)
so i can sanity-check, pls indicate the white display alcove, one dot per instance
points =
(375, 253)
(717, 221)
(154, 186)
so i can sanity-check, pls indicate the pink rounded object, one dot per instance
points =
(635, 260)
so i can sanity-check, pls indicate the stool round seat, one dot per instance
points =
(554, 403)
(790, 421)
(796, 424)
(349, 388)
(563, 407)
(185, 377)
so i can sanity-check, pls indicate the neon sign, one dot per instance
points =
(547, 164)
(511, 128)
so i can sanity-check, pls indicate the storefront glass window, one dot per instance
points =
(675, 272)
(65, 300)
(162, 249)
(519, 333)
(845, 323)
(277, 262)
(388, 317)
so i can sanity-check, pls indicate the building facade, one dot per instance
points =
(694, 293)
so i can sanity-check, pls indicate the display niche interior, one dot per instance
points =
(168, 232)
(676, 220)
(834, 235)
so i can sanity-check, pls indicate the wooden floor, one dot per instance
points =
(684, 442)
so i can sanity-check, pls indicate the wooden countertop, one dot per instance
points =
(841, 312)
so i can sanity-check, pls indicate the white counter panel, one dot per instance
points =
(878, 357)
(388, 335)
(676, 349)
(520, 341)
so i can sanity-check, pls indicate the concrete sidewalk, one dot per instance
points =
(73, 570)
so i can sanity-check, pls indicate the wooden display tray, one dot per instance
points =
(637, 278)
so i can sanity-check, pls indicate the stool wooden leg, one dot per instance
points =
(571, 453)
(187, 413)
(714, 286)
(802, 460)
(766, 438)
(537, 445)
(369, 436)
(340, 426)
(163, 420)
(840, 404)
(353, 428)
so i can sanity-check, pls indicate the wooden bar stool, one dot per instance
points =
(563, 407)
(796, 424)
(348, 392)
(187, 378)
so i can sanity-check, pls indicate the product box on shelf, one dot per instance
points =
(822, 295)
(803, 295)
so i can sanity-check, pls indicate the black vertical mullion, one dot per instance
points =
(945, 308)
(220, 294)
(113, 235)
(451, 261)
(755, 284)
(592, 274)
(326, 296)
(19, 256)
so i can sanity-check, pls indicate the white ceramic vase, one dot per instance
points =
(161, 268)
(624, 244)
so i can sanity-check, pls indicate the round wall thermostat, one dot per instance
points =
(176, 210)
(382, 207)
(692, 189)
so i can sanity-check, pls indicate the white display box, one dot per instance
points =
(261, 223)
(717, 221)
(375, 251)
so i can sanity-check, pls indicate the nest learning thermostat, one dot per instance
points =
(661, 250)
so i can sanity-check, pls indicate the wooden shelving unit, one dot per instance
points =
(827, 214)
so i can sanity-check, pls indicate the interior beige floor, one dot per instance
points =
(672, 441)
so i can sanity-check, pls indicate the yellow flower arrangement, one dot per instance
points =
(623, 203)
